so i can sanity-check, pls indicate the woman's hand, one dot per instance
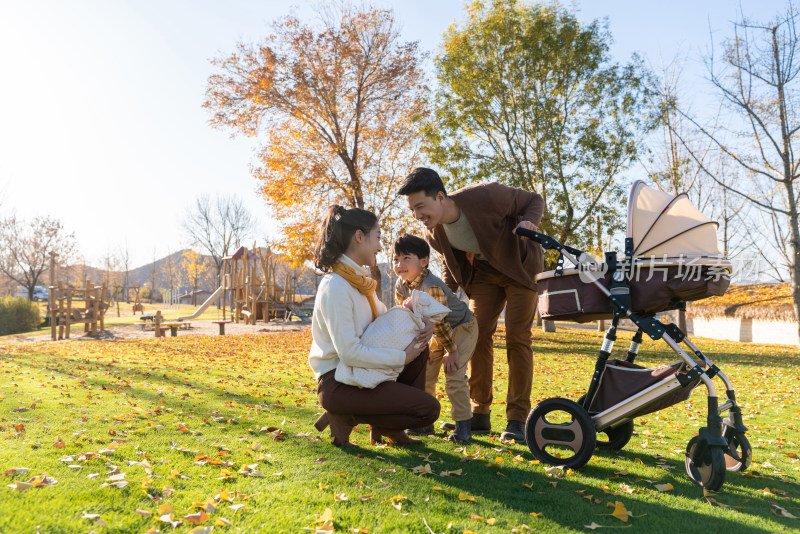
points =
(420, 342)
(425, 335)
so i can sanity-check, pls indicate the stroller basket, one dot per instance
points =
(622, 379)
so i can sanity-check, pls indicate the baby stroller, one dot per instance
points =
(671, 256)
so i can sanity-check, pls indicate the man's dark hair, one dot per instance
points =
(422, 179)
(411, 244)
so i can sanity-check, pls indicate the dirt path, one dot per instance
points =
(198, 328)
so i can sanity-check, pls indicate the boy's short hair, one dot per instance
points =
(411, 244)
(422, 179)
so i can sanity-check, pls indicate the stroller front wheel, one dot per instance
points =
(705, 465)
(560, 432)
(739, 453)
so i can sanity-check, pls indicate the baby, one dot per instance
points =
(394, 329)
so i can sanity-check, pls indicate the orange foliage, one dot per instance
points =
(339, 103)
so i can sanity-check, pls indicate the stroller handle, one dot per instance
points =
(546, 241)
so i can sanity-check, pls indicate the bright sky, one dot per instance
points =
(101, 118)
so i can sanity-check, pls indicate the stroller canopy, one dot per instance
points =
(665, 225)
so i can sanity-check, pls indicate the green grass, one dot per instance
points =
(178, 402)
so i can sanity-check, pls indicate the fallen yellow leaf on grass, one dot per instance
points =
(464, 497)
(16, 471)
(199, 517)
(324, 522)
(422, 470)
(20, 486)
(165, 508)
(664, 487)
(537, 514)
(475, 517)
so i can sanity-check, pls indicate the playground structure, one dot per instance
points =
(63, 316)
(170, 300)
(137, 304)
(251, 286)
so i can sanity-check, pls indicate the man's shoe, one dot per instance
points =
(514, 430)
(421, 431)
(462, 432)
(481, 423)
(447, 426)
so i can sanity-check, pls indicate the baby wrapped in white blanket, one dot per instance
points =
(395, 329)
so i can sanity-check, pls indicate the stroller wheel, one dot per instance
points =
(618, 437)
(705, 465)
(560, 432)
(739, 453)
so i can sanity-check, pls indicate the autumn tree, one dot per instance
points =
(26, 246)
(529, 96)
(337, 102)
(194, 269)
(218, 225)
(757, 80)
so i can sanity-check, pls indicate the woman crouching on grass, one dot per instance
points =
(345, 305)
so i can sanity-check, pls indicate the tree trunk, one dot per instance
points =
(794, 265)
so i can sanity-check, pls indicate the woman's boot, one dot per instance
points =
(321, 423)
(341, 426)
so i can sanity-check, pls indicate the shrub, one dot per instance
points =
(18, 315)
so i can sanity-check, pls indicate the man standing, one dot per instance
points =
(472, 230)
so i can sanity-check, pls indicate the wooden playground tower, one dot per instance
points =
(63, 315)
(250, 280)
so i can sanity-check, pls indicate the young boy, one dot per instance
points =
(454, 337)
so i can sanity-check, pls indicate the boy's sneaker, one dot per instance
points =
(421, 431)
(514, 430)
(481, 423)
(461, 433)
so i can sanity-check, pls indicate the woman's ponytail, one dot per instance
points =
(339, 224)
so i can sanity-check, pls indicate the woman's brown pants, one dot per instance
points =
(390, 405)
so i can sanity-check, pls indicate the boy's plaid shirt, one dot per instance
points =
(442, 331)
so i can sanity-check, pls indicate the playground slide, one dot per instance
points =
(203, 306)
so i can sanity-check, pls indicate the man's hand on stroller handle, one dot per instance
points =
(546, 241)
(525, 225)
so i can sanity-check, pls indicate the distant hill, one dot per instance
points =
(159, 270)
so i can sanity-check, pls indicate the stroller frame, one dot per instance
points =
(720, 446)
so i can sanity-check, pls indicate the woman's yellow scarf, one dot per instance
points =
(365, 285)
